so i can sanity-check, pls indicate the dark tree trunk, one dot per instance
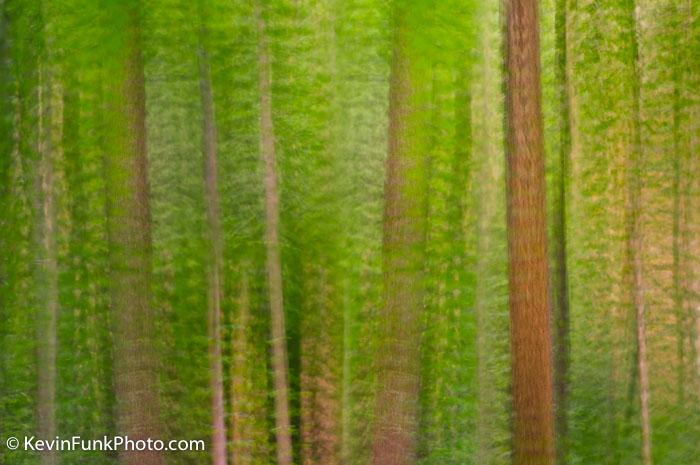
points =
(533, 422)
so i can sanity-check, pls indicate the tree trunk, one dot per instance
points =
(216, 382)
(47, 274)
(129, 228)
(272, 241)
(635, 237)
(396, 416)
(241, 452)
(678, 240)
(249, 433)
(560, 279)
(533, 423)
(320, 377)
(692, 118)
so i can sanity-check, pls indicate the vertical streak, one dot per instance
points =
(48, 272)
(396, 421)
(636, 238)
(209, 148)
(129, 237)
(272, 241)
(560, 277)
(533, 422)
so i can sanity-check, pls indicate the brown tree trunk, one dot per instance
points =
(128, 219)
(47, 275)
(396, 416)
(560, 279)
(635, 238)
(533, 422)
(272, 241)
(216, 382)
(320, 376)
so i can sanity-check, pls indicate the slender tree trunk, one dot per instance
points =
(216, 382)
(320, 378)
(249, 435)
(678, 239)
(272, 241)
(692, 16)
(346, 402)
(533, 423)
(129, 226)
(241, 452)
(47, 276)
(636, 238)
(560, 279)
(396, 416)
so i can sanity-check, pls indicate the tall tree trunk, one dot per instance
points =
(320, 377)
(272, 241)
(47, 275)
(635, 235)
(396, 416)
(533, 421)
(692, 118)
(216, 381)
(693, 205)
(249, 420)
(678, 239)
(560, 279)
(241, 452)
(129, 227)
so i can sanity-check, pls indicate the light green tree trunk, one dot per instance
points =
(129, 230)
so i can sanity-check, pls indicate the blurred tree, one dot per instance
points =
(209, 136)
(396, 427)
(272, 241)
(528, 276)
(128, 215)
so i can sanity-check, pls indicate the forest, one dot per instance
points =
(351, 232)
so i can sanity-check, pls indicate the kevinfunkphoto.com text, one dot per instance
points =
(105, 443)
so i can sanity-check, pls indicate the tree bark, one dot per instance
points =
(209, 135)
(636, 238)
(129, 230)
(533, 423)
(272, 242)
(396, 416)
(560, 279)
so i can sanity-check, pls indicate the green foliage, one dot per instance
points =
(330, 64)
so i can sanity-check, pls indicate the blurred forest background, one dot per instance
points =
(202, 236)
